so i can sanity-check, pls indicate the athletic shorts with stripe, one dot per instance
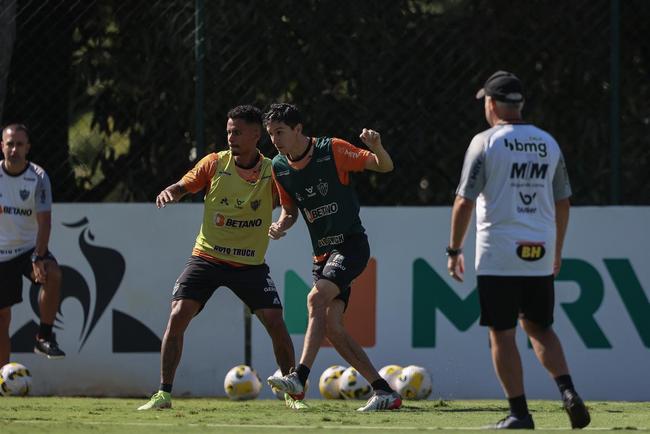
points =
(344, 264)
(251, 283)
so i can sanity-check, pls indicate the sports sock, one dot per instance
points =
(303, 373)
(518, 406)
(45, 331)
(564, 382)
(381, 384)
(166, 387)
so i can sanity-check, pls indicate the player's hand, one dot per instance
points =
(279, 229)
(164, 197)
(40, 273)
(370, 138)
(456, 266)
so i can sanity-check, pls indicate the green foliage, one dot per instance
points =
(409, 69)
(88, 145)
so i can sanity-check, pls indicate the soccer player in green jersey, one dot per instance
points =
(312, 175)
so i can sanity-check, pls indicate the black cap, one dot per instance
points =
(502, 86)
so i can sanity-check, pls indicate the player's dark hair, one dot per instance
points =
(16, 127)
(250, 114)
(283, 112)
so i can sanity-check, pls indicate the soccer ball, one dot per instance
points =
(414, 382)
(241, 383)
(353, 386)
(15, 380)
(329, 382)
(390, 374)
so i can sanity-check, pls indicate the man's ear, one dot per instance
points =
(298, 128)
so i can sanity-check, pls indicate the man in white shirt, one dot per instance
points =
(25, 222)
(515, 174)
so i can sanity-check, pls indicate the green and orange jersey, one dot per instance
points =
(319, 185)
(237, 209)
(347, 158)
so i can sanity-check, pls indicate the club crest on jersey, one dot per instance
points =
(322, 188)
(255, 204)
(24, 194)
(530, 251)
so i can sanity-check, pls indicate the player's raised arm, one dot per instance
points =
(173, 193)
(380, 161)
(195, 180)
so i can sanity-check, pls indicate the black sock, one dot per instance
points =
(45, 331)
(166, 387)
(564, 383)
(381, 384)
(518, 406)
(303, 373)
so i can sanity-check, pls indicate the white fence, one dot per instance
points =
(121, 260)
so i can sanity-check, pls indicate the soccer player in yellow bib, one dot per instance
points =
(230, 247)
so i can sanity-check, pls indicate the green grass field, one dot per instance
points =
(108, 415)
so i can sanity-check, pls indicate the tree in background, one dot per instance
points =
(121, 76)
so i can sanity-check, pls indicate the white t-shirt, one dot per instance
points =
(516, 173)
(21, 198)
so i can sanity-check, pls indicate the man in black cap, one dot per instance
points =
(515, 173)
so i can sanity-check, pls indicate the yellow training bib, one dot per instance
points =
(237, 214)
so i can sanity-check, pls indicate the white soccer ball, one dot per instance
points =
(353, 386)
(329, 382)
(390, 374)
(241, 383)
(414, 382)
(15, 380)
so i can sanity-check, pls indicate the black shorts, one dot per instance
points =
(344, 264)
(506, 298)
(11, 277)
(251, 283)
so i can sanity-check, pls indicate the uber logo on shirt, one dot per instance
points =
(527, 198)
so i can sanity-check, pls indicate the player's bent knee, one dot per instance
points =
(182, 313)
(316, 300)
